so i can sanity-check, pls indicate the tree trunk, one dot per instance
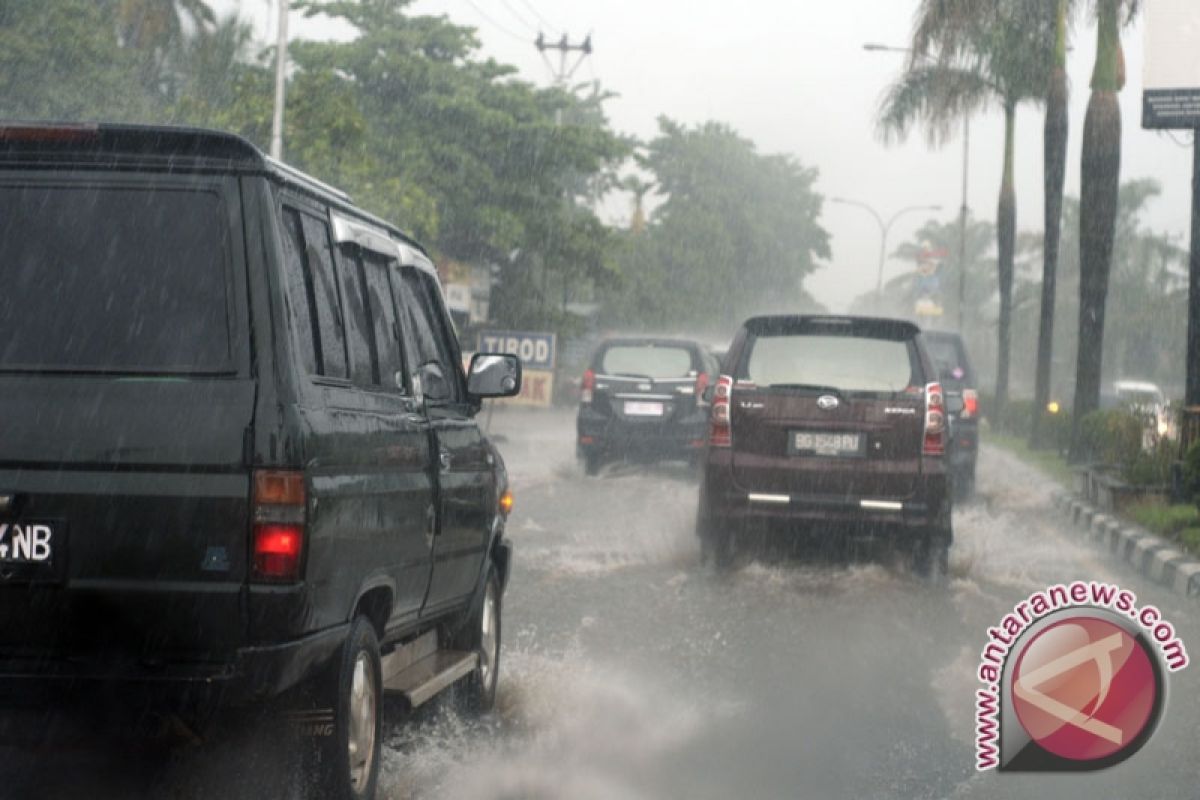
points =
(1006, 233)
(1054, 155)
(1100, 182)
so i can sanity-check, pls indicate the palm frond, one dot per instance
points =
(933, 97)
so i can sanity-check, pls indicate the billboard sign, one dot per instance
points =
(1171, 95)
(535, 349)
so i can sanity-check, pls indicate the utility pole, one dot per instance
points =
(962, 224)
(561, 73)
(280, 83)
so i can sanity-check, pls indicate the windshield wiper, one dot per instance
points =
(808, 387)
(632, 376)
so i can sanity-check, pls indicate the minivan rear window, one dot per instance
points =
(847, 363)
(648, 361)
(113, 279)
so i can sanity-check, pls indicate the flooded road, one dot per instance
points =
(629, 671)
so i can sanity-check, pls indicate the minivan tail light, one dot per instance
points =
(700, 387)
(720, 433)
(587, 387)
(935, 421)
(970, 403)
(280, 500)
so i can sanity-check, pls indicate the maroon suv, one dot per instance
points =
(827, 426)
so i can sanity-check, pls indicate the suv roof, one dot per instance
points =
(875, 327)
(167, 147)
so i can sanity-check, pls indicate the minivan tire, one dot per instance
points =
(354, 688)
(481, 635)
(931, 557)
(591, 463)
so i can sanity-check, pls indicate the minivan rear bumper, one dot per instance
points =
(249, 675)
(724, 504)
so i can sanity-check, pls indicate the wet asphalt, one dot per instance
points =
(629, 670)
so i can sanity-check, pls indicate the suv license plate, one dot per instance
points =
(639, 408)
(826, 444)
(28, 549)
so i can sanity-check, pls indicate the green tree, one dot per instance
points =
(1100, 183)
(964, 60)
(737, 231)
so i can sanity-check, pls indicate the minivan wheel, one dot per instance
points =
(346, 763)
(931, 557)
(481, 634)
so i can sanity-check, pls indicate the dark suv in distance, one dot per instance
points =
(959, 382)
(238, 459)
(827, 426)
(642, 397)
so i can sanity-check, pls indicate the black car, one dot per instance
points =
(238, 459)
(962, 399)
(642, 397)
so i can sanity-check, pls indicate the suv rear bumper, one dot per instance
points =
(251, 674)
(597, 432)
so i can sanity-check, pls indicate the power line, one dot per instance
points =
(517, 15)
(543, 20)
(503, 29)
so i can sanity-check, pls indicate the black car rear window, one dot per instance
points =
(949, 358)
(847, 363)
(648, 360)
(125, 280)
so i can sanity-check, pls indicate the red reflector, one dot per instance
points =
(49, 133)
(277, 550)
(586, 440)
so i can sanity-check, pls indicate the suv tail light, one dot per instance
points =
(935, 421)
(587, 386)
(699, 388)
(279, 510)
(970, 403)
(719, 432)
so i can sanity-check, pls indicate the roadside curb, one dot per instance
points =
(1153, 557)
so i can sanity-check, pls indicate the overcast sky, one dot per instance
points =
(792, 76)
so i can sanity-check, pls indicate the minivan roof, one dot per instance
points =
(165, 147)
(875, 327)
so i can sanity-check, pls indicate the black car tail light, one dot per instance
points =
(279, 529)
(935, 421)
(719, 431)
(970, 404)
(587, 387)
(700, 387)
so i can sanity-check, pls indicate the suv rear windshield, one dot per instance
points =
(847, 363)
(647, 360)
(113, 279)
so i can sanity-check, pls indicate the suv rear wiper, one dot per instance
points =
(631, 376)
(809, 387)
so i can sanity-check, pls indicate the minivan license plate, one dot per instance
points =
(826, 444)
(640, 408)
(27, 549)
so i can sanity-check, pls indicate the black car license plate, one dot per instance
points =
(822, 443)
(31, 549)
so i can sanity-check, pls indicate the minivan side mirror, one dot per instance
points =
(494, 375)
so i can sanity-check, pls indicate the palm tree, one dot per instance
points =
(1099, 185)
(967, 56)
(158, 24)
(1054, 154)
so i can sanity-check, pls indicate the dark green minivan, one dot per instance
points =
(238, 455)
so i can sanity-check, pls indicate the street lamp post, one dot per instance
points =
(873, 47)
(280, 83)
(884, 227)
